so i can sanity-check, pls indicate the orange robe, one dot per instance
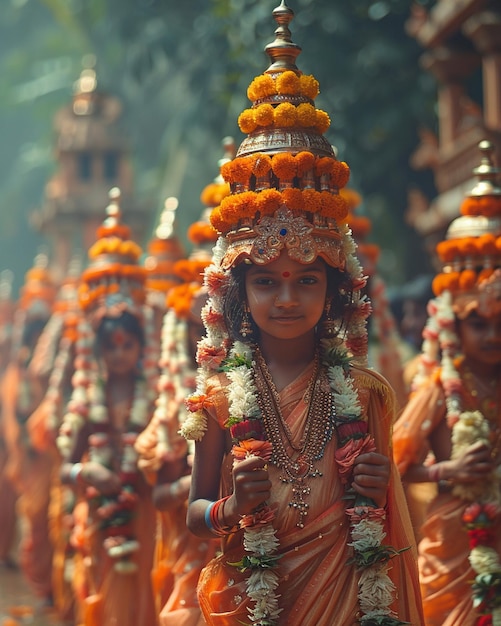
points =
(31, 472)
(179, 555)
(318, 586)
(444, 569)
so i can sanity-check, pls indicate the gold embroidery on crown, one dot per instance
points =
(283, 230)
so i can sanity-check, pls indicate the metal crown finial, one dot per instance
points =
(487, 172)
(282, 51)
(113, 212)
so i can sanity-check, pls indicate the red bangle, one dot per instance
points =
(217, 527)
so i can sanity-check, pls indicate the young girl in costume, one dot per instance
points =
(292, 465)
(455, 412)
(113, 391)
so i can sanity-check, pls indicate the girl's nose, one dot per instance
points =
(285, 295)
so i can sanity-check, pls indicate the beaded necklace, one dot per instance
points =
(300, 466)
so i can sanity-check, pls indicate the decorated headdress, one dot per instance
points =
(471, 252)
(164, 250)
(470, 279)
(114, 281)
(285, 179)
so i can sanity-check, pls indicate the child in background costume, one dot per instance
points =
(110, 404)
(286, 425)
(386, 349)
(455, 412)
(163, 454)
(28, 468)
(8, 494)
(53, 360)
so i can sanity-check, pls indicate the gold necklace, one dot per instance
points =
(318, 431)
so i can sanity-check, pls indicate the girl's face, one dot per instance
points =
(286, 298)
(481, 338)
(121, 352)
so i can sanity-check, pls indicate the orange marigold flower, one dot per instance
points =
(285, 115)
(284, 166)
(340, 174)
(447, 251)
(486, 244)
(311, 200)
(217, 221)
(293, 198)
(287, 83)
(201, 232)
(498, 244)
(241, 169)
(309, 86)
(305, 161)
(306, 115)
(261, 87)
(467, 279)
(252, 447)
(246, 121)
(352, 197)
(263, 115)
(486, 273)
(451, 281)
(323, 121)
(268, 201)
(467, 246)
(334, 206)
(261, 165)
(324, 165)
(470, 206)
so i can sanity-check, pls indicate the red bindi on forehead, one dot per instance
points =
(286, 274)
(119, 336)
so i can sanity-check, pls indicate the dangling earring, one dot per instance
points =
(329, 328)
(245, 326)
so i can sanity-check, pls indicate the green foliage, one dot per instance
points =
(182, 70)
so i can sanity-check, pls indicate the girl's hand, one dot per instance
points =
(472, 466)
(101, 478)
(371, 476)
(251, 487)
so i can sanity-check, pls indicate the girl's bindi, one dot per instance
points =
(119, 337)
(286, 274)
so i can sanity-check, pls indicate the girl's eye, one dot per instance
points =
(309, 280)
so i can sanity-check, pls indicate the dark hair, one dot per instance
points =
(108, 325)
(337, 293)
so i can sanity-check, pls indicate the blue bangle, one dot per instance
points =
(75, 472)
(208, 521)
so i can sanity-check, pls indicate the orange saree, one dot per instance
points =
(318, 585)
(444, 568)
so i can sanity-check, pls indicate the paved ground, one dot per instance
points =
(15, 598)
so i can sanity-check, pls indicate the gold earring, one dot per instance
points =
(329, 328)
(246, 327)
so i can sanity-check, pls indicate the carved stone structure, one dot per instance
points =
(92, 156)
(462, 42)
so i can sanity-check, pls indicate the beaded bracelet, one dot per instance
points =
(75, 471)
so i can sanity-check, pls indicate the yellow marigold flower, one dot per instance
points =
(261, 87)
(285, 115)
(246, 121)
(306, 115)
(309, 86)
(323, 121)
(263, 115)
(217, 221)
(287, 83)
